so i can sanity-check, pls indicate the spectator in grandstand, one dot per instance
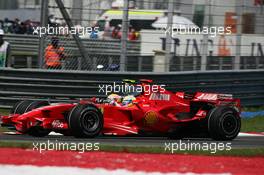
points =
(4, 50)
(54, 54)
(94, 34)
(137, 34)
(132, 35)
(107, 29)
(28, 27)
(17, 26)
(51, 21)
(117, 32)
(114, 32)
(6, 25)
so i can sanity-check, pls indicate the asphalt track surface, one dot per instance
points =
(240, 142)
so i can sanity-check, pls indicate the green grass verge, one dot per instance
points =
(4, 111)
(16, 144)
(253, 109)
(255, 124)
(151, 150)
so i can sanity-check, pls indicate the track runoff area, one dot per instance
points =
(33, 161)
(113, 155)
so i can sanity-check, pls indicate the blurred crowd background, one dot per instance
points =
(147, 48)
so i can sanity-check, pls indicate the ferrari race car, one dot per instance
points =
(153, 112)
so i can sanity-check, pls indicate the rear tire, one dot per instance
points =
(86, 120)
(224, 123)
(24, 106)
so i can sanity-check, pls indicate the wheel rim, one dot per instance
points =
(229, 124)
(90, 121)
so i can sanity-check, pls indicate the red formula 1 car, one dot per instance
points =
(154, 111)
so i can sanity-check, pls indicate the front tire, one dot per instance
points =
(224, 123)
(37, 131)
(86, 120)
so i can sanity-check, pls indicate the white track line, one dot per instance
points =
(250, 134)
(10, 133)
(55, 134)
(51, 170)
(15, 133)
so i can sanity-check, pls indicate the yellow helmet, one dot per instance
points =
(128, 100)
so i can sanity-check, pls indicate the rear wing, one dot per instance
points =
(218, 99)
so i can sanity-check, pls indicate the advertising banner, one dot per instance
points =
(191, 45)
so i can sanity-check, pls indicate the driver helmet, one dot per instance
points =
(114, 98)
(128, 100)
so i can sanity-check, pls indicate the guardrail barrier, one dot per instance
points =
(17, 84)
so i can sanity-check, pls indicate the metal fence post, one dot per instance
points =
(76, 12)
(205, 39)
(75, 36)
(123, 57)
(94, 61)
(239, 4)
(29, 61)
(140, 59)
(169, 35)
(12, 64)
(43, 23)
(79, 59)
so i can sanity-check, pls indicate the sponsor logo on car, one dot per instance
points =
(57, 124)
(207, 97)
(151, 118)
